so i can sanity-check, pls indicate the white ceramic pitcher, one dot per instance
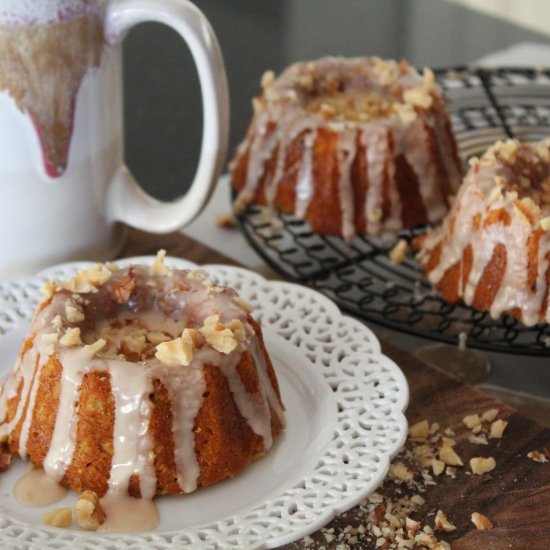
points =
(64, 187)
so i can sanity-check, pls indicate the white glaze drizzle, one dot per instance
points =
(285, 113)
(475, 200)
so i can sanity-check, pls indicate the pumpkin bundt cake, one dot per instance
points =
(354, 146)
(493, 249)
(141, 380)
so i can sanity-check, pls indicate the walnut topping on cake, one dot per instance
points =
(87, 280)
(71, 337)
(74, 314)
(220, 337)
(159, 268)
(180, 350)
(48, 289)
(243, 304)
(387, 71)
(267, 78)
(96, 347)
(418, 96)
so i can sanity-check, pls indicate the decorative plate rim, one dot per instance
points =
(371, 392)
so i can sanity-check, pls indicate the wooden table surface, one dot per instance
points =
(515, 496)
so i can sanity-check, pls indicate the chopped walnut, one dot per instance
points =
(48, 289)
(399, 252)
(497, 429)
(134, 344)
(96, 347)
(87, 280)
(471, 421)
(71, 337)
(448, 455)
(226, 221)
(400, 471)
(222, 339)
(267, 78)
(405, 111)
(122, 288)
(418, 96)
(89, 513)
(481, 522)
(437, 466)
(412, 526)
(480, 465)
(442, 523)
(180, 350)
(243, 304)
(489, 415)
(157, 337)
(495, 194)
(420, 430)
(74, 314)
(60, 517)
(507, 150)
(478, 439)
(237, 327)
(159, 268)
(537, 456)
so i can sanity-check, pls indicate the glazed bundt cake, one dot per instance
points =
(493, 249)
(354, 146)
(141, 380)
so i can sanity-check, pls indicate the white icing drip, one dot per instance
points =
(23, 370)
(34, 383)
(60, 453)
(376, 144)
(144, 467)
(130, 387)
(346, 154)
(185, 386)
(419, 158)
(304, 180)
(447, 149)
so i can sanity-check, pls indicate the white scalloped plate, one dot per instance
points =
(344, 402)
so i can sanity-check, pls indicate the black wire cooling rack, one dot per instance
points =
(486, 105)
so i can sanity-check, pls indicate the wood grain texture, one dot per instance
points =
(515, 495)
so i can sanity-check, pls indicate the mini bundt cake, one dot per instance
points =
(141, 380)
(354, 146)
(493, 249)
